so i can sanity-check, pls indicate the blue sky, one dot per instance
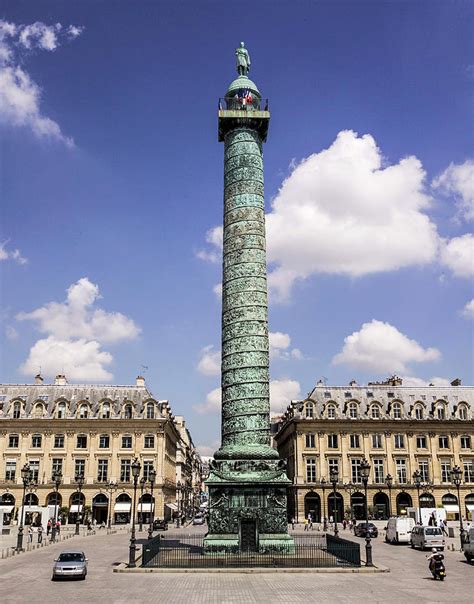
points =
(111, 177)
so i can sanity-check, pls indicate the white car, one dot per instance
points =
(71, 563)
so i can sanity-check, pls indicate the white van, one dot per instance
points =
(399, 529)
(427, 537)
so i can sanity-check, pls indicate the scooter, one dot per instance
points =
(437, 567)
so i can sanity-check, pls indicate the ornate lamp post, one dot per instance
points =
(389, 483)
(417, 483)
(151, 478)
(334, 479)
(110, 487)
(456, 476)
(323, 483)
(142, 488)
(57, 477)
(136, 467)
(80, 482)
(26, 478)
(364, 472)
(351, 488)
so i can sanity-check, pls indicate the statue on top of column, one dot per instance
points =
(243, 60)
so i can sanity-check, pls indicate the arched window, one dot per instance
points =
(106, 411)
(462, 412)
(16, 410)
(353, 410)
(61, 410)
(128, 411)
(331, 411)
(375, 412)
(419, 412)
(440, 411)
(397, 411)
(150, 411)
(39, 410)
(309, 410)
(83, 411)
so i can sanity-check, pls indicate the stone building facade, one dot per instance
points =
(398, 429)
(91, 430)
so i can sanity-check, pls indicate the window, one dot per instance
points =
(38, 410)
(83, 411)
(333, 464)
(465, 442)
(13, 440)
(401, 470)
(443, 442)
(421, 442)
(150, 411)
(375, 412)
(126, 442)
(149, 441)
(106, 411)
(378, 471)
(81, 442)
(355, 470)
(353, 410)
(399, 441)
(125, 470)
(376, 441)
(348, 394)
(34, 468)
(331, 412)
(61, 411)
(440, 412)
(16, 410)
(327, 394)
(128, 412)
(462, 412)
(79, 467)
(56, 466)
(309, 410)
(445, 471)
(310, 470)
(104, 441)
(423, 468)
(147, 467)
(310, 441)
(59, 441)
(102, 470)
(390, 394)
(355, 441)
(468, 471)
(332, 441)
(419, 412)
(10, 469)
(397, 411)
(36, 441)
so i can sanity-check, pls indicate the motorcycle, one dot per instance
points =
(437, 567)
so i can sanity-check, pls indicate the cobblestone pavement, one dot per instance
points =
(28, 578)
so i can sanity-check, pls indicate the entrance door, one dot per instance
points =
(248, 536)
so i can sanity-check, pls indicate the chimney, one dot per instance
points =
(60, 380)
(140, 381)
(38, 379)
(456, 382)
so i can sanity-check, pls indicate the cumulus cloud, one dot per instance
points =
(212, 403)
(458, 180)
(468, 310)
(14, 255)
(381, 348)
(282, 392)
(20, 96)
(342, 211)
(75, 330)
(458, 255)
(208, 450)
(214, 237)
(409, 380)
(280, 347)
(217, 289)
(209, 361)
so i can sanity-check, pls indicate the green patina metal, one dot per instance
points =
(247, 483)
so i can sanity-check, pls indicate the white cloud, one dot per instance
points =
(282, 392)
(341, 211)
(20, 96)
(214, 237)
(458, 180)
(280, 347)
(208, 450)
(209, 361)
(211, 405)
(468, 310)
(458, 255)
(217, 289)
(75, 330)
(380, 348)
(409, 380)
(13, 255)
(78, 359)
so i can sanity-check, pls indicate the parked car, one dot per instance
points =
(199, 519)
(399, 529)
(70, 563)
(364, 528)
(427, 537)
(469, 545)
(160, 525)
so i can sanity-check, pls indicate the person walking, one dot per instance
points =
(48, 528)
(58, 527)
(30, 533)
(306, 524)
(40, 533)
(293, 522)
(442, 526)
(344, 524)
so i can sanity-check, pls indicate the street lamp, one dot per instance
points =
(351, 488)
(334, 479)
(136, 467)
(57, 477)
(80, 483)
(26, 476)
(389, 483)
(417, 483)
(323, 483)
(142, 488)
(456, 475)
(151, 478)
(110, 487)
(364, 472)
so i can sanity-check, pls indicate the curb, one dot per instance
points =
(123, 568)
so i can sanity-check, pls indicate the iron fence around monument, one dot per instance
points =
(309, 551)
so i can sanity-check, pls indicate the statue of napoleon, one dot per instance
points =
(243, 60)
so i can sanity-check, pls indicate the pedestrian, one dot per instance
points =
(30, 533)
(40, 533)
(344, 524)
(442, 526)
(58, 527)
(306, 524)
(48, 527)
(293, 522)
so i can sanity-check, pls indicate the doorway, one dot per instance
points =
(248, 536)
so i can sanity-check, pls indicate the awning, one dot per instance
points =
(8, 508)
(172, 506)
(75, 508)
(144, 507)
(122, 507)
(451, 508)
(469, 506)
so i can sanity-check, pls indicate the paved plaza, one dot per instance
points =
(27, 577)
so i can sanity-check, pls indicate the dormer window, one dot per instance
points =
(61, 411)
(128, 411)
(375, 412)
(462, 412)
(331, 411)
(83, 411)
(39, 410)
(419, 412)
(440, 412)
(353, 410)
(150, 411)
(16, 410)
(309, 410)
(106, 411)
(397, 411)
